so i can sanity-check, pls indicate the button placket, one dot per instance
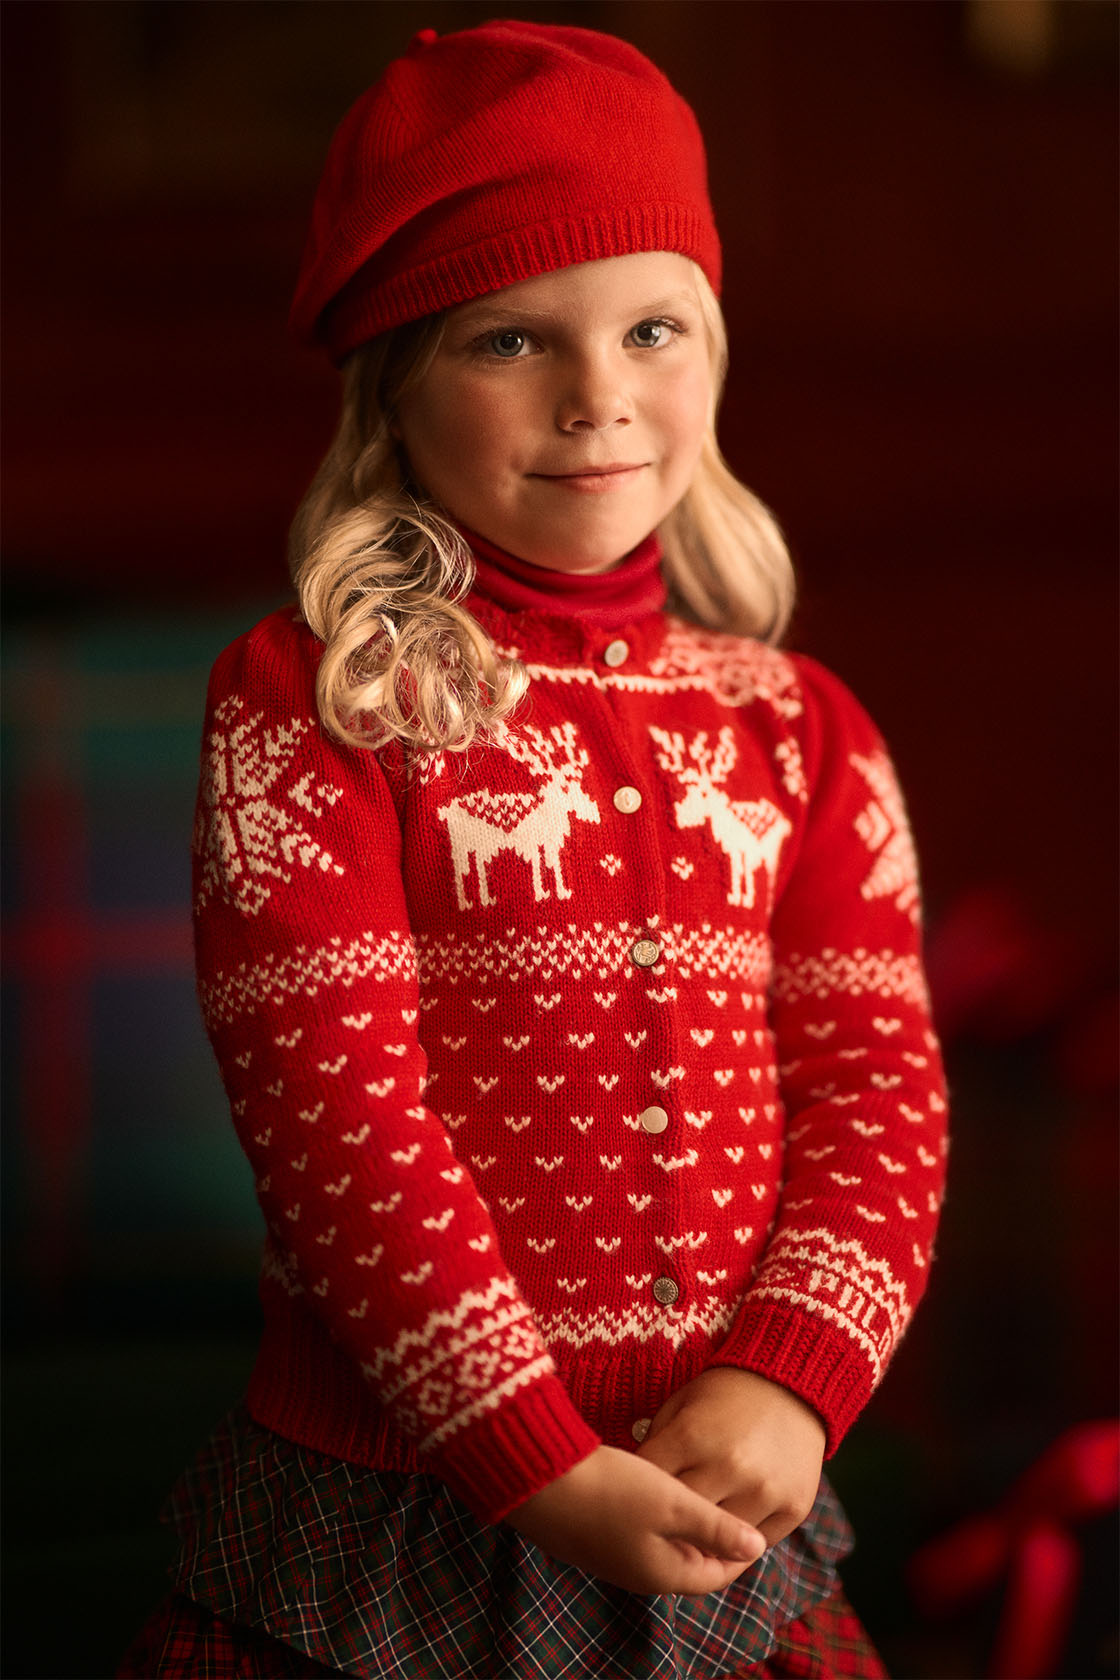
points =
(626, 798)
(646, 953)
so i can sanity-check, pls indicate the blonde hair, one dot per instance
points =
(381, 573)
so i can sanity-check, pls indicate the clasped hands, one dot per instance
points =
(731, 1464)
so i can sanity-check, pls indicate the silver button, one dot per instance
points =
(627, 799)
(653, 1119)
(645, 952)
(615, 653)
(640, 1429)
(665, 1291)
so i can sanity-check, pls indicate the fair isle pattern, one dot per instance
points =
(731, 671)
(709, 1316)
(384, 956)
(480, 824)
(788, 755)
(595, 953)
(460, 1363)
(502, 1045)
(735, 671)
(750, 831)
(838, 1280)
(883, 827)
(852, 974)
(250, 830)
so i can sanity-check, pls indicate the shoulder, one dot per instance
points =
(738, 669)
(261, 704)
(827, 700)
(262, 700)
(275, 662)
(745, 672)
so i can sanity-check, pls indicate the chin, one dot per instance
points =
(575, 561)
(589, 554)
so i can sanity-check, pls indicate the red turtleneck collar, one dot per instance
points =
(628, 592)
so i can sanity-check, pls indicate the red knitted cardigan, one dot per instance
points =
(575, 1063)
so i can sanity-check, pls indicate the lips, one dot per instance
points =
(608, 471)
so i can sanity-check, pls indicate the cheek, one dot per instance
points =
(452, 437)
(688, 408)
(428, 432)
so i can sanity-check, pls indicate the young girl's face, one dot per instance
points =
(562, 417)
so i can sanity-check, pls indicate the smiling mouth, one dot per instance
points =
(592, 478)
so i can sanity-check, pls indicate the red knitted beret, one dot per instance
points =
(491, 156)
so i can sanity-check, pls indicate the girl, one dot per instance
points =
(558, 941)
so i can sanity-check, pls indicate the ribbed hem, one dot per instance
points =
(506, 1458)
(305, 1388)
(804, 1353)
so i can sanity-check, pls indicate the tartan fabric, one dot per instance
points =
(185, 1642)
(829, 1643)
(382, 1573)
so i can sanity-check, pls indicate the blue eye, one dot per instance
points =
(507, 344)
(648, 334)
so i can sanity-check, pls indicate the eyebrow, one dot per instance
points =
(486, 311)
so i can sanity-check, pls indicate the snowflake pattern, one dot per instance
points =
(425, 767)
(250, 832)
(884, 830)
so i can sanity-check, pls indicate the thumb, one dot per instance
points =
(715, 1531)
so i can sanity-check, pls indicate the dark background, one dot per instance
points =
(918, 210)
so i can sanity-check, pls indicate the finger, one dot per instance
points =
(715, 1532)
(665, 1451)
(772, 1525)
(778, 1526)
(689, 1573)
(713, 1483)
(668, 1444)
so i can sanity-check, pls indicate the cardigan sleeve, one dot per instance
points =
(307, 977)
(861, 1077)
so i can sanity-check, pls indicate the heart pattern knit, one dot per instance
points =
(574, 1063)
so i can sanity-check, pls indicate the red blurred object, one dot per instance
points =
(1038, 1608)
(995, 972)
(1028, 1537)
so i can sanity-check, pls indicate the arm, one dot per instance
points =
(864, 1098)
(307, 976)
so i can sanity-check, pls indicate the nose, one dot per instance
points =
(593, 396)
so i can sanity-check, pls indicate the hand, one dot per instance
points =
(744, 1443)
(627, 1522)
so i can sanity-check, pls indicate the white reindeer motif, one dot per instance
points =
(750, 831)
(535, 826)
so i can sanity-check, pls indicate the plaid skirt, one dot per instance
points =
(294, 1563)
(184, 1642)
